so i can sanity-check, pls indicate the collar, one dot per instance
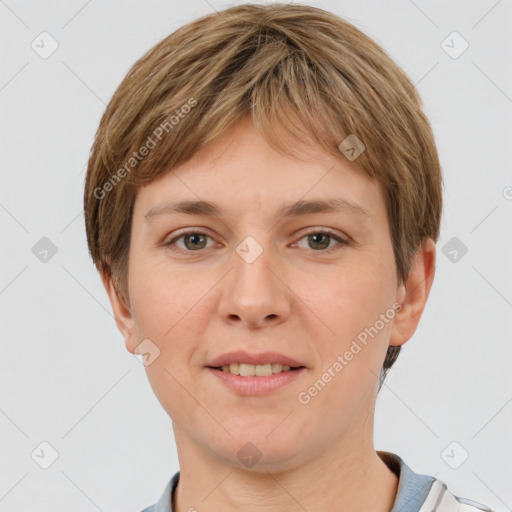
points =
(413, 488)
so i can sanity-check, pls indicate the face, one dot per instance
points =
(311, 284)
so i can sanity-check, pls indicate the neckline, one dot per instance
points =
(413, 488)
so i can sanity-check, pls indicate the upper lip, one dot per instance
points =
(240, 356)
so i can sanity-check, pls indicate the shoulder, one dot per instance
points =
(164, 504)
(425, 493)
(440, 498)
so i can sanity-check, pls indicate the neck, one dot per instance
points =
(356, 480)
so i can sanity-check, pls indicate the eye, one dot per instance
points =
(193, 240)
(319, 241)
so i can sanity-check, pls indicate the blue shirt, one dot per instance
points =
(416, 493)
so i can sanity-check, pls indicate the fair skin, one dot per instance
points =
(304, 296)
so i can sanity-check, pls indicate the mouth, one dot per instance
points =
(255, 380)
(255, 370)
(241, 362)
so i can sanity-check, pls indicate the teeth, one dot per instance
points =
(258, 370)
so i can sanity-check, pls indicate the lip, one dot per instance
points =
(240, 356)
(256, 386)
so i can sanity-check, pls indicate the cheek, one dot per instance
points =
(172, 309)
(169, 312)
(347, 301)
(162, 298)
(353, 345)
(350, 308)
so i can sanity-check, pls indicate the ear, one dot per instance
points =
(413, 294)
(122, 313)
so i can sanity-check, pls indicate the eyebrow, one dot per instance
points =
(298, 208)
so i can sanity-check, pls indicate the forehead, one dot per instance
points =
(240, 172)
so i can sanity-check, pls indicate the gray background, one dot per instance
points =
(65, 375)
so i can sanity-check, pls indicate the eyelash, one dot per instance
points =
(342, 242)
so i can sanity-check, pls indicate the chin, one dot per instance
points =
(259, 452)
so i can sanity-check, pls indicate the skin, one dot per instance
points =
(298, 298)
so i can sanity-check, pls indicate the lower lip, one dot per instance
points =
(256, 385)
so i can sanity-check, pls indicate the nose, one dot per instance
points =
(255, 292)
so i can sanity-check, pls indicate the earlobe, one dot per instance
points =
(413, 294)
(122, 313)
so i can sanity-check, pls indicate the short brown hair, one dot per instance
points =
(294, 68)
